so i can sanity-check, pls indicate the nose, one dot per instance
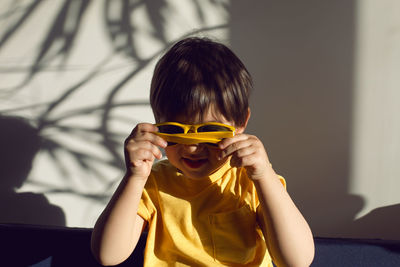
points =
(193, 148)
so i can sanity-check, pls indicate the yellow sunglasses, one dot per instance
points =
(188, 134)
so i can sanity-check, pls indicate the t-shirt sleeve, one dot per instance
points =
(146, 205)
(143, 210)
(283, 181)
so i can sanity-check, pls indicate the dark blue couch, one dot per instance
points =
(38, 246)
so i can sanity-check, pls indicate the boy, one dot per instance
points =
(212, 203)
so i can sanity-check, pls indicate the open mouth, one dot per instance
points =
(194, 163)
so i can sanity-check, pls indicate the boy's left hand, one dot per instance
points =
(247, 151)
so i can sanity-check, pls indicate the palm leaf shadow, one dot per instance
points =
(29, 11)
(60, 38)
(64, 30)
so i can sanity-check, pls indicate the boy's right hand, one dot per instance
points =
(141, 149)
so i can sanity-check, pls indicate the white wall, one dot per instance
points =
(375, 169)
(325, 102)
(84, 81)
(326, 106)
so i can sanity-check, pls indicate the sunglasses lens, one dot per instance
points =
(213, 128)
(170, 129)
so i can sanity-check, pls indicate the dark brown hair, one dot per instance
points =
(196, 74)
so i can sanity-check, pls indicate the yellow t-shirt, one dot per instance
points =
(202, 222)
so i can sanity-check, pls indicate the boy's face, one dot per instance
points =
(198, 160)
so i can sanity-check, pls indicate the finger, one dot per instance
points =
(146, 127)
(245, 161)
(135, 147)
(140, 157)
(144, 132)
(145, 155)
(244, 151)
(154, 139)
(232, 148)
(229, 141)
(155, 151)
(142, 128)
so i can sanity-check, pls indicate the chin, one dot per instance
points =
(199, 174)
(195, 174)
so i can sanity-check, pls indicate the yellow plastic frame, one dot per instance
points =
(193, 137)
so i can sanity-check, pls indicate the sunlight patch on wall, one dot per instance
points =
(376, 135)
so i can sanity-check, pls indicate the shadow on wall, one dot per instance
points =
(58, 44)
(302, 103)
(19, 143)
(383, 222)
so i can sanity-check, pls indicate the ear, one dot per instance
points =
(241, 129)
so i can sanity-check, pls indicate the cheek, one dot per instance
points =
(171, 152)
(214, 153)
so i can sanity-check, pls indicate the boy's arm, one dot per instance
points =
(289, 238)
(118, 228)
(288, 235)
